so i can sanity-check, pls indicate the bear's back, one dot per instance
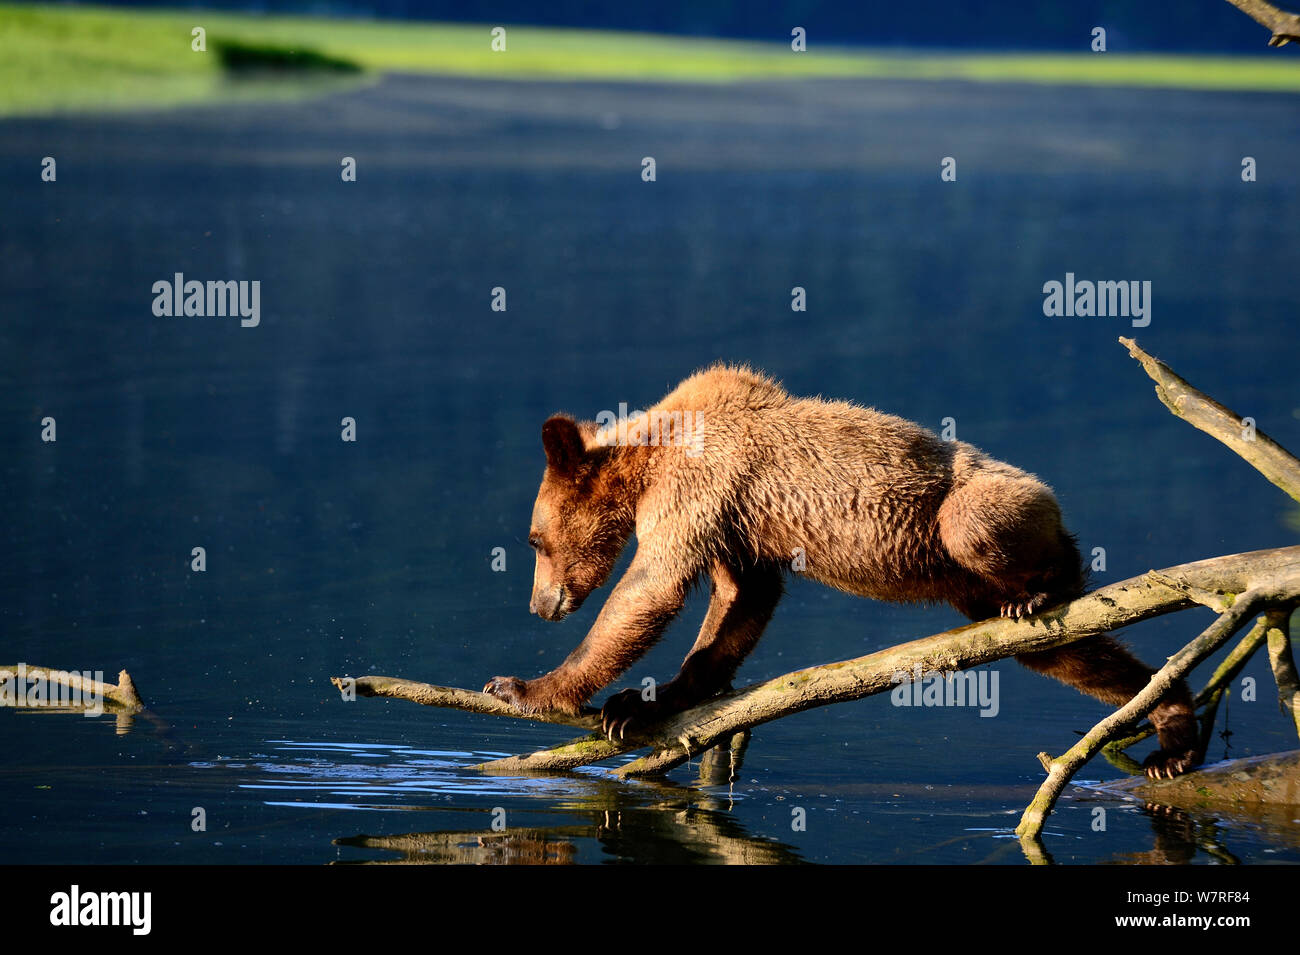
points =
(739, 410)
(855, 489)
(728, 390)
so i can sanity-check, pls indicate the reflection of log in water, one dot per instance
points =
(1178, 837)
(1262, 792)
(523, 846)
(69, 692)
(720, 766)
(674, 837)
(678, 826)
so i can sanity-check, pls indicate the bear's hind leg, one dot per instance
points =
(1103, 669)
(1004, 530)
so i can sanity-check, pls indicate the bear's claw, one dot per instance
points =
(508, 689)
(624, 709)
(1166, 764)
(1023, 606)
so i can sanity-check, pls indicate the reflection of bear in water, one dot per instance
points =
(866, 502)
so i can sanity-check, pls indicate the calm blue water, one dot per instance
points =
(328, 558)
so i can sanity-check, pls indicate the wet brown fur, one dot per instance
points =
(877, 506)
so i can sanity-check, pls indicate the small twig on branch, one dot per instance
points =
(1064, 768)
(1284, 26)
(1200, 411)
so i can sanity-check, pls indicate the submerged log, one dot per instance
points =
(1272, 780)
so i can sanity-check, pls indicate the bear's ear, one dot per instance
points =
(563, 442)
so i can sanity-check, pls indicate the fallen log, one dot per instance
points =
(689, 733)
(72, 686)
(1269, 780)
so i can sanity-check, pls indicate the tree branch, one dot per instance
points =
(471, 701)
(1200, 411)
(120, 697)
(1103, 611)
(1284, 26)
(690, 733)
(1224, 674)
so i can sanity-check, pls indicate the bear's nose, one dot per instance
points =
(547, 604)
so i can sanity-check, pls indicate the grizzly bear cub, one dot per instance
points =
(731, 477)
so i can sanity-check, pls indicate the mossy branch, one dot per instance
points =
(689, 733)
(1280, 467)
(1105, 610)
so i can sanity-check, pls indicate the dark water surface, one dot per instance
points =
(328, 558)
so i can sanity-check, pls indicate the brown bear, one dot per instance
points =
(731, 477)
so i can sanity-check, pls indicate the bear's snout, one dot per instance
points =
(550, 605)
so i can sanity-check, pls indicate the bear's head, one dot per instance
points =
(581, 520)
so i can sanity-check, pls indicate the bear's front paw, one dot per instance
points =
(627, 710)
(509, 689)
(1166, 764)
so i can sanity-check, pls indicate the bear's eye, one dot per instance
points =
(535, 542)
